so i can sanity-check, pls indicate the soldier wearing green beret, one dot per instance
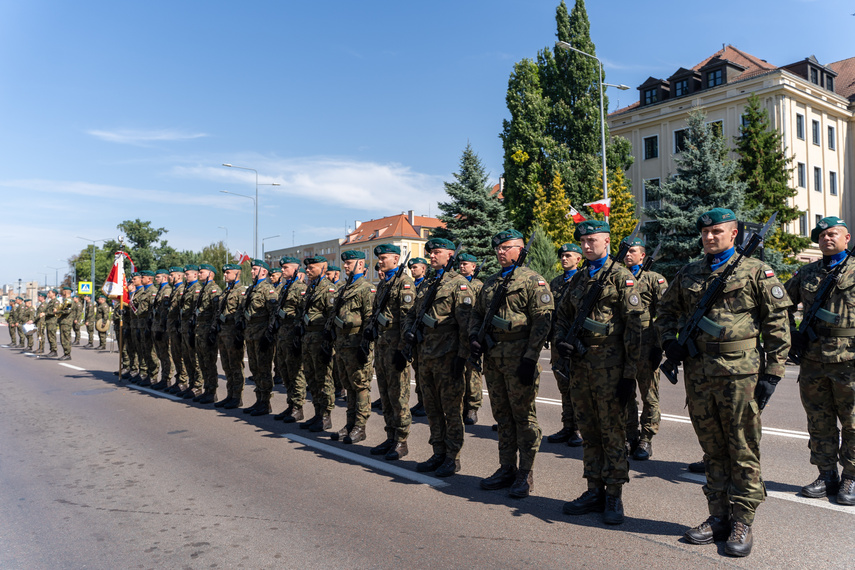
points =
(65, 316)
(289, 302)
(333, 273)
(17, 305)
(602, 379)
(827, 374)
(729, 381)
(276, 280)
(206, 312)
(519, 329)
(651, 286)
(132, 338)
(144, 301)
(89, 319)
(27, 316)
(122, 330)
(10, 321)
(189, 299)
(442, 359)
(316, 309)
(258, 307)
(467, 265)
(173, 327)
(160, 336)
(102, 313)
(40, 322)
(569, 256)
(49, 309)
(227, 339)
(77, 319)
(418, 267)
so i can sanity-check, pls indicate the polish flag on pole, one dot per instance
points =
(241, 258)
(601, 206)
(577, 217)
(115, 286)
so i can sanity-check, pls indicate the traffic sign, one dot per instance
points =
(84, 287)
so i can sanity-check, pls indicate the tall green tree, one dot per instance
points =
(765, 169)
(543, 255)
(705, 179)
(473, 215)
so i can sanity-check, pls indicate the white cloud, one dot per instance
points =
(141, 137)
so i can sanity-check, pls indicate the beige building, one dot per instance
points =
(329, 249)
(812, 105)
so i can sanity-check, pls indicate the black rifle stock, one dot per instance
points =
(240, 317)
(300, 327)
(329, 334)
(371, 331)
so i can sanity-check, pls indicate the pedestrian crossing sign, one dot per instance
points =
(84, 287)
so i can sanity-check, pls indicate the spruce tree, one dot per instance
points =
(542, 254)
(473, 215)
(705, 179)
(551, 213)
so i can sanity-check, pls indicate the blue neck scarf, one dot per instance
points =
(391, 273)
(596, 265)
(439, 272)
(162, 285)
(831, 260)
(720, 259)
(635, 269)
(469, 277)
(569, 273)
(507, 270)
(192, 283)
(357, 276)
(419, 281)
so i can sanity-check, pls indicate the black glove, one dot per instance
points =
(675, 352)
(399, 360)
(565, 349)
(327, 335)
(158, 336)
(475, 349)
(368, 334)
(765, 388)
(459, 367)
(409, 337)
(527, 371)
(799, 341)
(655, 357)
(625, 391)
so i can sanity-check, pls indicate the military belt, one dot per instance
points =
(834, 332)
(314, 328)
(444, 328)
(725, 347)
(506, 337)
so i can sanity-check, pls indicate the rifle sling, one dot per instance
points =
(834, 332)
(725, 347)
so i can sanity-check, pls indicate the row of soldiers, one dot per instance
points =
(57, 310)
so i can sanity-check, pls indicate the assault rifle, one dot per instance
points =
(370, 332)
(329, 327)
(192, 323)
(698, 320)
(300, 327)
(491, 319)
(240, 316)
(415, 332)
(816, 313)
(477, 270)
(217, 325)
(648, 261)
(275, 322)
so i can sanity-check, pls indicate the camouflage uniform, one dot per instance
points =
(526, 312)
(258, 307)
(420, 286)
(49, 308)
(559, 286)
(444, 342)
(102, 312)
(144, 303)
(65, 315)
(160, 335)
(316, 365)
(77, 318)
(207, 310)
(472, 377)
(231, 349)
(27, 314)
(189, 297)
(89, 318)
(394, 385)
(288, 356)
(827, 374)
(337, 373)
(130, 358)
(720, 381)
(10, 321)
(40, 326)
(612, 355)
(176, 339)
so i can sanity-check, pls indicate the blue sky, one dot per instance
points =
(120, 110)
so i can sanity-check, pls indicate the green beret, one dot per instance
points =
(176, 269)
(333, 268)
(824, 224)
(42, 294)
(19, 298)
(467, 257)
(161, 272)
(208, 266)
(416, 260)
(135, 274)
(231, 266)
(260, 263)
(315, 259)
(387, 248)
(301, 270)
(635, 242)
(146, 273)
(276, 270)
(352, 254)
(191, 268)
(716, 216)
(591, 227)
(569, 247)
(505, 235)
(439, 243)
(288, 259)
(64, 288)
(100, 296)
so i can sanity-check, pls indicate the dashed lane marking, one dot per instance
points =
(73, 367)
(153, 392)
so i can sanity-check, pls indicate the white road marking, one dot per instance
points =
(153, 392)
(386, 466)
(821, 503)
(73, 367)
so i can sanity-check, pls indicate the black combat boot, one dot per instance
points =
(846, 494)
(644, 451)
(323, 424)
(397, 451)
(502, 479)
(236, 402)
(286, 412)
(825, 485)
(712, 529)
(341, 434)
(209, 397)
(591, 501)
(432, 463)
(296, 415)
(740, 541)
(263, 407)
(523, 484)
(448, 468)
(356, 435)
(383, 448)
(613, 513)
(561, 436)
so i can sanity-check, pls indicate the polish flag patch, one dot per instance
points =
(406, 285)
(373, 290)
(770, 273)
(630, 283)
(661, 281)
(541, 283)
(332, 289)
(463, 287)
(302, 293)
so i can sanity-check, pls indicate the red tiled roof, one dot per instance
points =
(845, 83)
(397, 226)
(427, 222)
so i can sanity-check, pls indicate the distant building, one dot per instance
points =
(329, 249)
(812, 105)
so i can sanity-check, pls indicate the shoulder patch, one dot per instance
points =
(661, 281)
(302, 293)
(406, 285)
(332, 289)
(373, 290)
(634, 300)
(243, 292)
(777, 292)
(541, 283)
(770, 273)
(463, 287)
(630, 283)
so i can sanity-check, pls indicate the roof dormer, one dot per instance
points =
(653, 90)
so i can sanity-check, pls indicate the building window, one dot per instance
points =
(651, 96)
(817, 179)
(829, 83)
(714, 78)
(803, 229)
(831, 142)
(651, 193)
(832, 183)
(818, 219)
(679, 141)
(802, 175)
(681, 88)
(651, 147)
(815, 132)
(717, 128)
(814, 76)
(800, 126)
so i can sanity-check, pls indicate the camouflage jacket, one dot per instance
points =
(753, 303)
(802, 288)
(173, 317)
(446, 322)
(103, 311)
(559, 287)
(231, 302)
(318, 304)
(65, 310)
(354, 311)
(49, 308)
(616, 317)
(257, 308)
(208, 307)
(290, 309)
(26, 315)
(160, 310)
(400, 301)
(525, 315)
(76, 309)
(89, 311)
(188, 303)
(144, 303)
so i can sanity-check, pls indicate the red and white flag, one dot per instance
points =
(601, 206)
(115, 286)
(241, 258)
(577, 217)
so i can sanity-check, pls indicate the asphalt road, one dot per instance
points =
(96, 473)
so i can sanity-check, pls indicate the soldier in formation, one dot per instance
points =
(189, 301)
(65, 318)
(204, 315)
(102, 315)
(173, 328)
(229, 341)
(159, 334)
(40, 321)
(27, 316)
(288, 351)
(258, 306)
(418, 267)
(474, 394)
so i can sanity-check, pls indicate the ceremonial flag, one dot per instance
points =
(577, 217)
(241, 258)
(601, 206)
(115, 286)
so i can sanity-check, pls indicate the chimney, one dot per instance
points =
(356, 224)
(411, 217)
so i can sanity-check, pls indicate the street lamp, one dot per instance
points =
(255, 227)
(56, 276)
(92, 272)
(565, 45)
(262, 244)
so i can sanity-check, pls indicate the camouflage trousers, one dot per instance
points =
(30, 339)
(64, 337)
(129, 356)
(356, 379)
(828, 396)
(102, 338)
(289, 365)
(191, 360)
(647, 380)
(727, 422)
(40, 331)
(176, 348)
(261, 367)
(231, 357)
(149, 364)
(50, 333)
(394, 389)
(318, 371)
(417, 377)
(337, 375)
(90, 330)
(474, 389)
(75, 328)
(513, 405)
(443, 399)
(602, 423)
(207, 356)
(562, 379)
(13, 334)
(164, 355)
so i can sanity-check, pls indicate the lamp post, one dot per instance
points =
(92, 268)
(56, 276)
(262, 244)
(565, 45)
(255, 227)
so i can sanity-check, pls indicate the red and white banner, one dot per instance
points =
(116, 286)
(601, 206)
(241, 257)
(577, 217)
